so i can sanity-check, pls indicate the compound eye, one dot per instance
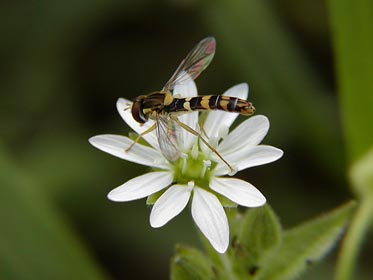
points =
(137, 113)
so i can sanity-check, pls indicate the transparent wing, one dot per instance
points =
(194, 63)
(167, 132)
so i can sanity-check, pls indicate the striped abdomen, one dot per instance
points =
(211, 102)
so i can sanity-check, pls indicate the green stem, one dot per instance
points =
(354, 237)
(227, 264)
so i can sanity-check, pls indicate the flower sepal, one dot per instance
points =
(151, 199)
(254, 254)
(258, 231)
(226, 202)
(190, 263)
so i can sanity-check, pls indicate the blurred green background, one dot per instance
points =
(63, 66)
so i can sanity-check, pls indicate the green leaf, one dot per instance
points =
(190, 264)
(287, 82)
(303, 245)
(260, 231)
(352, 25)
(35, 241)
(361, 175)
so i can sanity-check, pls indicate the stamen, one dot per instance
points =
(184, 157)
(194, 151)
(198, 127)
(206, 164)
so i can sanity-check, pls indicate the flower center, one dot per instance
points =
(193, 167)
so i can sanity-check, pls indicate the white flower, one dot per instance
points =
(197, 174)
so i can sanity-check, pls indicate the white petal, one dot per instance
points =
(211, 219)
(116, 145)
(249, 133)
(240, 91)
(217, 119)
(187, 139)
(169, 205)
(239, 191)
(124, 109)
(186, 89)
(253, 156)
(141, 186)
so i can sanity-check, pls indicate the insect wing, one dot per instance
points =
(167, 132)
(194, 63)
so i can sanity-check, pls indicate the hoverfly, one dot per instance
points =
(163, 107)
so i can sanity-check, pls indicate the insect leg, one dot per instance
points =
(204, 132)
(150, 129)
(191, 130)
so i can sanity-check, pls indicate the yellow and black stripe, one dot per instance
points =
(211, 102)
